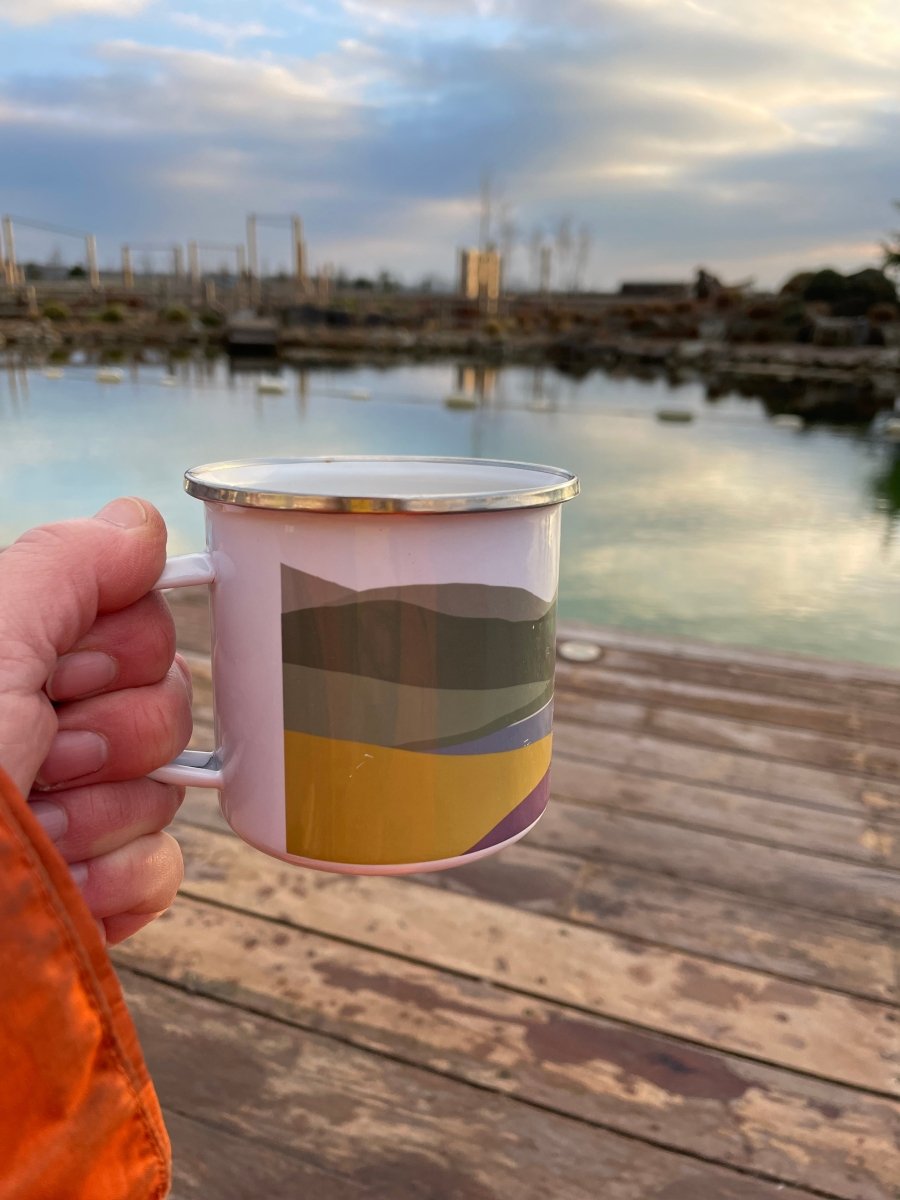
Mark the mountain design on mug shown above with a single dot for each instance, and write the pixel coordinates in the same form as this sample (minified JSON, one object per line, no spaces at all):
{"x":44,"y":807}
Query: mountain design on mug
{"x":417,"y":718}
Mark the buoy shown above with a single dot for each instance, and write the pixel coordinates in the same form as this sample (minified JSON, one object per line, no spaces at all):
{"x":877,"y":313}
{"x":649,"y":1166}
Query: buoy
{"x":680,"y":416}
{"x":53,"y":372}
{"x":580,"y":652}
{"x":358,"y":394}
{"x":168,"y":381}
{"x":788,"y":421}
{"x":270,"y":385}
{"x":110,"y":375}
{"x":461,"y":400}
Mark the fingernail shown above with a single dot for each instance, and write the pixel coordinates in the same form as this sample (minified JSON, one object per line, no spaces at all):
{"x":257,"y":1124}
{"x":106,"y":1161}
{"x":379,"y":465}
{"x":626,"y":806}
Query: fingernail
{"x":126,"y":512}
{"x":81,"y":673}
{"x":53,"y":819}
{"x":79,"y":873}
{"x":74,"y":753}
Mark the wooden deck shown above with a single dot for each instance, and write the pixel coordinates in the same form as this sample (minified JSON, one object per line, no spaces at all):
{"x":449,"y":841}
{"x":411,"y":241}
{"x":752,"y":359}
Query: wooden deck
{"x":681,"y":985}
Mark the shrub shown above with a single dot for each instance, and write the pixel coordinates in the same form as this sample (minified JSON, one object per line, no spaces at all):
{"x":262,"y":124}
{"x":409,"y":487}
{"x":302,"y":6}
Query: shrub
{"x":55,"y":311}
{"x":176,"y":314}
{"x":880,"y":314}
{"x":113,"y":314}
{"x":212,"y":320}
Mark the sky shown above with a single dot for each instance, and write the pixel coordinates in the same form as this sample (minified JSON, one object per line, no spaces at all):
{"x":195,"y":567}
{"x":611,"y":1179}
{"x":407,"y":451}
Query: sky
{"x":754,"y":137}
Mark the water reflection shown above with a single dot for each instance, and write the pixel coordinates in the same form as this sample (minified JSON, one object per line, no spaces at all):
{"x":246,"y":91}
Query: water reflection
{"x":728,"y":527}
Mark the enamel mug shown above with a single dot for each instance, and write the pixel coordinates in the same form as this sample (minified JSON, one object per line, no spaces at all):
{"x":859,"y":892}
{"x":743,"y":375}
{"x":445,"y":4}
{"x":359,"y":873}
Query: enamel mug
{"x":382,"y":655}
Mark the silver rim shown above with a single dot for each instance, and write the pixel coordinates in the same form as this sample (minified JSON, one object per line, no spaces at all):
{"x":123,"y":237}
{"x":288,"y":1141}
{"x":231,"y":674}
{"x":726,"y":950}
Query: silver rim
{"x":537,"y":497}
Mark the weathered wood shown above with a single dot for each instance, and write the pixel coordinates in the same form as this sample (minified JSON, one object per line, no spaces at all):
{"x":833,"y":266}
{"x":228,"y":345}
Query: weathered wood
{"x":728,"y":1008}
{"x":721,"y":768}
{"x":839,"y":687}
{"x":834,"y":953}
{"x":727,"y":733}
{"x":393,"y":1128}
{"x":780,"y":663}
{"x":862,"y":838}
{"x":845,"y":889}
{"x":719,"y":1107}
{"x":841,"y":721}
{"x":212,"y":1163}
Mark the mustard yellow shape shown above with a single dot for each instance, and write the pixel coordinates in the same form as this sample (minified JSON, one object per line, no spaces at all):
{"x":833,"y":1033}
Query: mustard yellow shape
{"x":348,"y":802}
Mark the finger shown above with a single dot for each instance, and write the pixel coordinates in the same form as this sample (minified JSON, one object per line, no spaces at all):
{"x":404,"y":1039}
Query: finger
{"x":142,"y":877}
{"x":85,"y":822}
{"x":122,"y":735}
{"x":54,"y":581}
{"x":117,"y":929}
{"x":125,"y":649}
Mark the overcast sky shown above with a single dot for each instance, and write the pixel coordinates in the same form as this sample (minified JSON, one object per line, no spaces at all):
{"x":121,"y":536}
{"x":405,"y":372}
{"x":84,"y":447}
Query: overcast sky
{"x":752,"y":136}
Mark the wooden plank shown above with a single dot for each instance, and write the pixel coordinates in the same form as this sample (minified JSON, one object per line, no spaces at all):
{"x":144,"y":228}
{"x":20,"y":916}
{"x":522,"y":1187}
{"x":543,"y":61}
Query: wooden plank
{"x":834,"y":953}
{"x":839,"y":721}
{"x":397,"y":1130}
{"x":727,"y":769}
{"x":776,"y":662}
{"x":834,"y":686}
{"x":720,"y":810}
{"x":212,"y":1163}
{"x":727,"y":733}
{"x":729,"y":1008}
{"x":717,"y":1107}
{"x":844,"y":889}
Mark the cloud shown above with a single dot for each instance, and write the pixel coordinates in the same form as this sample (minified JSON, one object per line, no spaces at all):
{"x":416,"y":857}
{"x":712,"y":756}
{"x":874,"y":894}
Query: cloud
{"x":736,"y":134}
{"x":36,"y":12}
{"x":229,"y":34}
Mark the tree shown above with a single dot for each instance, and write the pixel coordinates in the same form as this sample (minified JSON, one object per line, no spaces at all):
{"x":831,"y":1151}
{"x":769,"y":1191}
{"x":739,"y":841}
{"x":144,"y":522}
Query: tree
{"x":891,"y":249}
{"x":77,"y":272}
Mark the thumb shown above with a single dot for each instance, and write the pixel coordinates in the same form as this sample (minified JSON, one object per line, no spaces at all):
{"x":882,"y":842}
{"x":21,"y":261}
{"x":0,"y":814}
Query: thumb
{"x":54,"y":582}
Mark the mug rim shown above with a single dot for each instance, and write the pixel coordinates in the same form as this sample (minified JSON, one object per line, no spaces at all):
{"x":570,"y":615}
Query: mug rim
{"x":565,"y":486}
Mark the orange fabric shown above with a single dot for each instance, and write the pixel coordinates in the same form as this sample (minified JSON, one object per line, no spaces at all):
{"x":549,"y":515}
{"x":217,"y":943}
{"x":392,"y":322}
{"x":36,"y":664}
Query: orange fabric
{"x":79,"y":1119}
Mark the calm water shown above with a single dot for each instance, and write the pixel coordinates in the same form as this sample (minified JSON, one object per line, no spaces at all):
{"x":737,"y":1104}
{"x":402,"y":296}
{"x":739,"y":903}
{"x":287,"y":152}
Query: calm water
{"x":727,"y":528}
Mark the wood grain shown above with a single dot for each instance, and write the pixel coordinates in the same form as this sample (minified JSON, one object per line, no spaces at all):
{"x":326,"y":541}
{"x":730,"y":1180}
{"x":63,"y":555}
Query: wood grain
{"x":400,"y":1131}
{"x":725,"y":1007}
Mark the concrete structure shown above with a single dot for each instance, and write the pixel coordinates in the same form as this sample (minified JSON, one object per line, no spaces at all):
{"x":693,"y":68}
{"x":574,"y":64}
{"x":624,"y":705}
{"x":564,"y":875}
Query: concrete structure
{"x":480,"y":276}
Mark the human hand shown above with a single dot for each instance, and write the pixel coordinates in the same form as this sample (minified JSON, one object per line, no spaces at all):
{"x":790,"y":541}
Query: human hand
{"x":92,"y":698}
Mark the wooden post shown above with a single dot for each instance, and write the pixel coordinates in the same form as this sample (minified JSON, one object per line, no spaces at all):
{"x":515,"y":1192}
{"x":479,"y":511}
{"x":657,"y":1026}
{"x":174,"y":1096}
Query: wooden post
{"x":127,"y":268}
{"x":90,"y":247}
{"x":252,"y":259}
{"x":194,"y":269}
{"x":12,"y":271}
{"x":299,"y":256}
{"x":178,"y":263}
{"x":210,"y":292}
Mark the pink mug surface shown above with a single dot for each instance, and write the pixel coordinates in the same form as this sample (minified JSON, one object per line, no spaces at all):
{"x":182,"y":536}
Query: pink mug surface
{"x":383,"y":655}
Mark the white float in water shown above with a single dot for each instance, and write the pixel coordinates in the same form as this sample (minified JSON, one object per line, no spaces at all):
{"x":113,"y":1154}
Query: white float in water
{"x":53,"y":373}
{"x":788,"y":421}
{"x":168,"y":381}
{"x":461,"y":400}
{"x":270,"y":385}
{"x":110,"y":375}
{"x":358,"y":394}
{"x":677,"y":416}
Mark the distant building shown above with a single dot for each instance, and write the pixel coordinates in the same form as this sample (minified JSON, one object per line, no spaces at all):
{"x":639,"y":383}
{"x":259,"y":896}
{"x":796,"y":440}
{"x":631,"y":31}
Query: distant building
{"x":480,"y":275}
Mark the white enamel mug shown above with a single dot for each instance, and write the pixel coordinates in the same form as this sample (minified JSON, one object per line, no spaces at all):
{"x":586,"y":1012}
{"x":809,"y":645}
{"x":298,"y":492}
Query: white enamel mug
{"x":382,"y":655}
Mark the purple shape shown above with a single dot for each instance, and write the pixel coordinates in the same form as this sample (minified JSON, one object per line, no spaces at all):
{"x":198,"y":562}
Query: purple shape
{"x":510,"y":737}
{"x":523,"y":815}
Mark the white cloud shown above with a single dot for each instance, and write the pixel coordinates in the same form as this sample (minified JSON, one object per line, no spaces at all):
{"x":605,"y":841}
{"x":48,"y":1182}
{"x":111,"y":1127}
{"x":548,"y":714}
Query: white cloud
{"x":229,"y":33}
{"x":37,"y":12}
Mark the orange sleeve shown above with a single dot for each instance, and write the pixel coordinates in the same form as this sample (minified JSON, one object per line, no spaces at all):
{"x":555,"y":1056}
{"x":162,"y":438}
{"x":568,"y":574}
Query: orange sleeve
{"x":79,"y":1118}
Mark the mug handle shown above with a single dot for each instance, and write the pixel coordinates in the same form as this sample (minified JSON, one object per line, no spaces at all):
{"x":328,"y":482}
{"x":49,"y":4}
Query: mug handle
{"x":193,"y":768}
